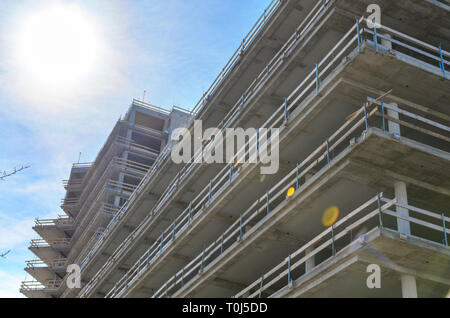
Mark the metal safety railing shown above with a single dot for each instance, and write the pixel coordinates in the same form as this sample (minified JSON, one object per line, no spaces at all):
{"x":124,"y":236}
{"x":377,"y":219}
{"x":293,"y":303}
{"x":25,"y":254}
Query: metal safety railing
{"x":28,"y":286}
{"x":50,"y":243}
{"x":150,"y":106}
{"x":72,"y":183}
{"x":130,"y":142}
{"x":82,"y":165}
{"x":120,"y":186}
{"x":131,"y":165}
{"x":70,"y":201}
{"x":268,"y":71}
{"x":53,"y":264}
{"x":375,"y":213}
{"x":54,"y":222}
{"x":110,"y":209}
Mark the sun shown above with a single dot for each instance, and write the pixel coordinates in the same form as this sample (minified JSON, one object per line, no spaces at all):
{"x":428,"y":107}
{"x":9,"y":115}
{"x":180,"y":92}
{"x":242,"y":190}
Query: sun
{"x":58,"y":46}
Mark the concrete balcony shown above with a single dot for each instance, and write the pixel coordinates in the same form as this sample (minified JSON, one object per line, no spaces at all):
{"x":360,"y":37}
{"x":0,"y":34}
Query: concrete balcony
{"x":71,"y":205}
{"x":73,"y":184}
{"x":45,"y":270}
{"x":52,"y":249}
{"x":34,"y":289}
{"x":334,"y":263}
{"x":52,"y":229}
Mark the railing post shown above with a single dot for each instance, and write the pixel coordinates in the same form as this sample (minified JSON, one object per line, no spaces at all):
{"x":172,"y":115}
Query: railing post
{"x":332,"y":242}
{"x":375,"y":34}
{"x":203,"y":260}
{"x":231,"y":171}
{"x":173,"y":230}
{"x":382,"y":115}
{"x":190,"y":213}
{"x":160,"y":245}
{"x":257,"y":142}
{"x":445,"y":230}
{"x":210,"y":190}
{"x":267,"y":202}
{"x":286,"y":115}
{"x":149,"y":253}
{"x":379,"y":210}
{"x":328,"y":151}
{"x":221,"y":245}
{"x":359,"y":35}
{"x":289,"y":269}
{"x":442,"y":61}
{"x":317,"y":80}
{"x":297,"y":185}
{"x":261,"y":286}
{"x":365,"y":116}
{"x":240,"y":226}
{"x":182,"y":277}
{"x":242,"y":101}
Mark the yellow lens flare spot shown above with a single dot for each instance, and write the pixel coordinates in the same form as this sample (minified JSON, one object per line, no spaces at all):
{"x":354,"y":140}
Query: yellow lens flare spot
{"x":290,"y":192}
{"x":330,"y":216}
{"x":262,"y":178}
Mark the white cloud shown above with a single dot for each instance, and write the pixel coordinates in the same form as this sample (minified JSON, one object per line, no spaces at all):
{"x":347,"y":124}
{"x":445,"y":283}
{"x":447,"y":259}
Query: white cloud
{"x":10,"y":285}
{"x":15,"y":232}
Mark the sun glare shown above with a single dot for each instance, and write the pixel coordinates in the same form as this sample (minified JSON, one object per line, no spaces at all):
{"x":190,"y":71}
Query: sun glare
{"x":58,"y":46}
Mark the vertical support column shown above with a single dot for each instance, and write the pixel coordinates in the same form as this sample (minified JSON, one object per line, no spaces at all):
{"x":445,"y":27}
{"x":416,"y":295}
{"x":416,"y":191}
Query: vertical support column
{"x":409,"y":286}
{"x":394,"y":128}
{"x":310,"y":262}
{"x":401,"y":195}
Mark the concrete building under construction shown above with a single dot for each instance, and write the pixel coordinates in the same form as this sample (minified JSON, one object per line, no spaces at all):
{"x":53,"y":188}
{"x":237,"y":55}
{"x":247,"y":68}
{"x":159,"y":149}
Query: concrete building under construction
{"x":362,"y":106}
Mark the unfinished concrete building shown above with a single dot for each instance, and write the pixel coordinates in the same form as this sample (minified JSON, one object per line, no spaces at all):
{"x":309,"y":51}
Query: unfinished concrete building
{"x":363,"y":112}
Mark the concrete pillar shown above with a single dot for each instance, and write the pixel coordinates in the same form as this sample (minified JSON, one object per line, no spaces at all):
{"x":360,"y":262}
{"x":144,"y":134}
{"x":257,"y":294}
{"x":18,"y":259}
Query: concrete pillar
{"x":401,"y":195}
{"x":409,"y":286}
{"x":394,"y":128}
{"x":310,"y":262}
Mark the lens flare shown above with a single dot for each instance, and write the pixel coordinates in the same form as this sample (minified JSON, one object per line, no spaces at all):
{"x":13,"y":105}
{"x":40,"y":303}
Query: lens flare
{"x":330,"y":216}
{"x":290,"y":192}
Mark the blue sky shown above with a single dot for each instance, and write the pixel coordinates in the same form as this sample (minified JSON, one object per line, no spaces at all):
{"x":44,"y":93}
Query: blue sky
{"x":173,"y":49}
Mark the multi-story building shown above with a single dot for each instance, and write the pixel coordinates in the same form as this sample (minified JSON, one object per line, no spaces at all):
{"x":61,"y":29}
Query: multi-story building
{"x":362,"y":110}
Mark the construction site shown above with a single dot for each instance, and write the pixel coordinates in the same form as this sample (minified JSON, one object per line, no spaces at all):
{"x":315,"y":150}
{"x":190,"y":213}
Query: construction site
{"x":362,"y":107}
